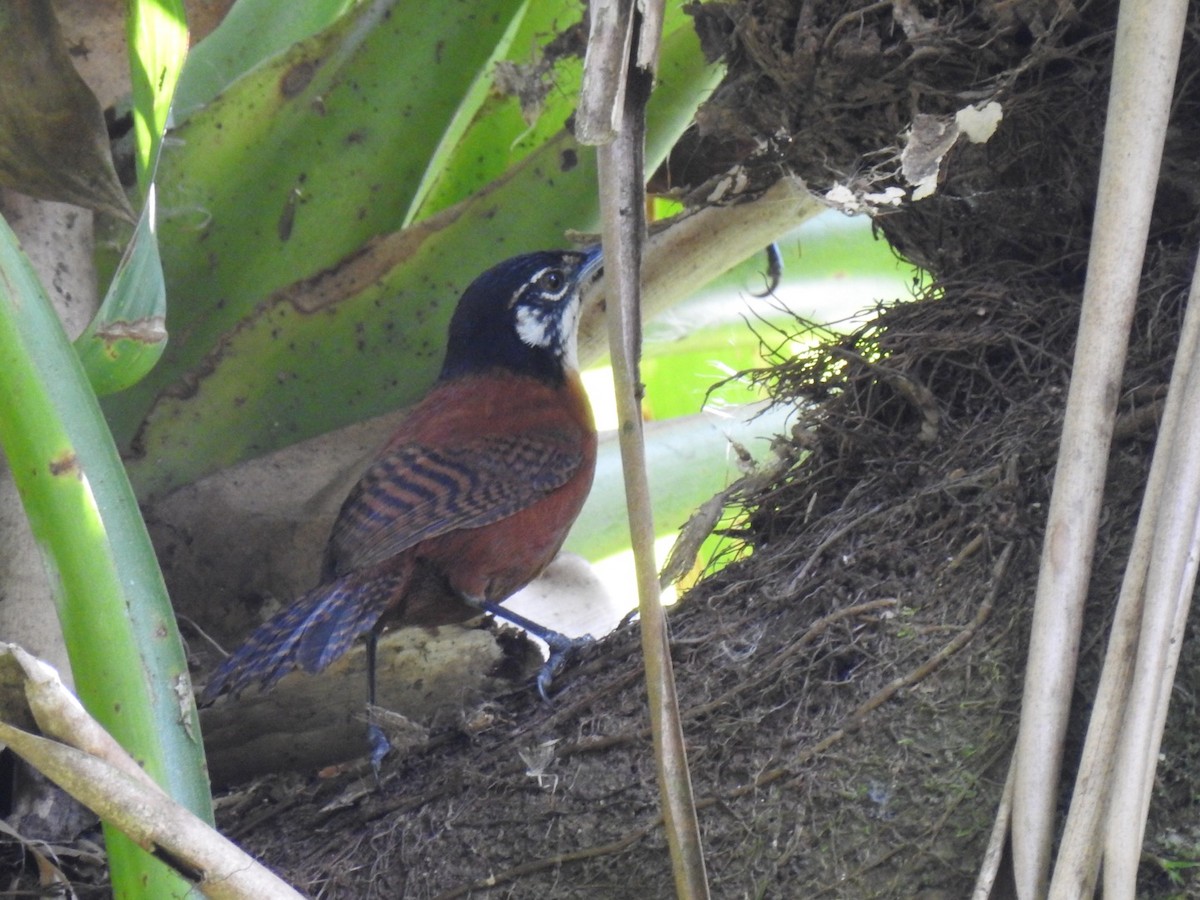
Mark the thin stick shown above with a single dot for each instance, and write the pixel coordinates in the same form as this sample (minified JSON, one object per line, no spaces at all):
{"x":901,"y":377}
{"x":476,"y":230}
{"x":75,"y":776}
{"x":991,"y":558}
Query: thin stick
{"x":622,"y":180}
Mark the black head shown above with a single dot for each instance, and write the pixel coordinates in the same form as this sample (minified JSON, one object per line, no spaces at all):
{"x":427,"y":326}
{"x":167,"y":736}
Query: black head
{"x":521,"y":315}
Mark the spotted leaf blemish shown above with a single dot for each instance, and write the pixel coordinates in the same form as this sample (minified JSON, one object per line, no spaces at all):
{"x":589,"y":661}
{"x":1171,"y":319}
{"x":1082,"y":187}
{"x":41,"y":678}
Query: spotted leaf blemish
{"x":66,"y":464}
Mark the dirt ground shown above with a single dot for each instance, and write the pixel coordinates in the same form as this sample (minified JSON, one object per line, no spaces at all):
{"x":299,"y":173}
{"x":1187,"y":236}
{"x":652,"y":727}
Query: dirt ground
{"x":850,"y":688}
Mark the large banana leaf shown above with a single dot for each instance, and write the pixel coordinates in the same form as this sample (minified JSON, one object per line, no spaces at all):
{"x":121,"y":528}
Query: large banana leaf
{"x":295,"y":306}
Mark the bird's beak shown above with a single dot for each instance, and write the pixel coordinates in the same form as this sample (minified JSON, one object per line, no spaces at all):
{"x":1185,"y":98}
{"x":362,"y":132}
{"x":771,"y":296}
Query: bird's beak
{"x":593,"y":265}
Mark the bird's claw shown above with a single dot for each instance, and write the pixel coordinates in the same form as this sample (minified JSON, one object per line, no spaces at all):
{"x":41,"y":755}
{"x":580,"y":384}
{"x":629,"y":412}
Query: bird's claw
{"x":561,"y":650}
{"x":380,"y":747}
{"x":561,"y":646}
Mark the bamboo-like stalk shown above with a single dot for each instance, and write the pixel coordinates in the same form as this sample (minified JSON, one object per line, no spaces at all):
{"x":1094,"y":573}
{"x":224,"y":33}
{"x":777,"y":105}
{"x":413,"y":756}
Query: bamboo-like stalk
{"x":91,"y":766}
{"x":1147,"y":48}
{"x":701,"y":245}
{"x":152,"y":820}
{"x":1080,"y":851}
{"x":1168,"y":594}
{"x":622,"y":192}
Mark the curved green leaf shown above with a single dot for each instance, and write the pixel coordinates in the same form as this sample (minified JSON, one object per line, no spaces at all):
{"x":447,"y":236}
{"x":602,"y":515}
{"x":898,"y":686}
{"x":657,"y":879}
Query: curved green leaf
{"x":158,"y":44}
{"x":252,"y":31}
{"x":127,"y":336}
{"x":534,"y":93}
{"x":470,"y":103}
{"x":501,"y":133}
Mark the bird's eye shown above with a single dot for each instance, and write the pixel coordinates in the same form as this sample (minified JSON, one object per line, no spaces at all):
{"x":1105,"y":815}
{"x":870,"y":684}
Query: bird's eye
{"x":552,"y":281}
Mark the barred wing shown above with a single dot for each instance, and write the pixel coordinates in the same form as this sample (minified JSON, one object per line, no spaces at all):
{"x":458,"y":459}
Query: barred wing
{"x":416,"y":492}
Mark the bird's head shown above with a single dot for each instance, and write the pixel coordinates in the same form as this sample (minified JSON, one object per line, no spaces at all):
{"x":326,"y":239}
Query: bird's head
{"x":521,"y":315}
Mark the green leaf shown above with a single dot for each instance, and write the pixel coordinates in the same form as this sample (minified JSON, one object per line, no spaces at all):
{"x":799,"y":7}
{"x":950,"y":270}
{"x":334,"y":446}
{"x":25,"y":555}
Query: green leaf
{"x":302,"y":162}
{"x":158,"y":45}
{"x":117,"y":621}
{"x":527,"y":103}
{"x":311,"y":155}
{"x":535,"y":89}
{"x":252,"y":31}
{"x":128,"y":334}
{"x":260,"y":371}
{"x":689,"y":460}
{"x":443,"y":156}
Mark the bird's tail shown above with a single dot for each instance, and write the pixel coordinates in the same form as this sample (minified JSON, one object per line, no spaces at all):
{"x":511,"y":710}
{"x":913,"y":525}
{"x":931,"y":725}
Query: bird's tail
{"x":316,"y":629}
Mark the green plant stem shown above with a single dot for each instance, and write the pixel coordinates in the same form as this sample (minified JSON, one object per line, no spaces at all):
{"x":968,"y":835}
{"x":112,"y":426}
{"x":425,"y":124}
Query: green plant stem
{"x":125,"y":650}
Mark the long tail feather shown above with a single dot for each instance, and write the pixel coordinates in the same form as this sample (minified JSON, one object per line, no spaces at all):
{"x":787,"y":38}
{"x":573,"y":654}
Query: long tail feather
{"x":317,"y":629}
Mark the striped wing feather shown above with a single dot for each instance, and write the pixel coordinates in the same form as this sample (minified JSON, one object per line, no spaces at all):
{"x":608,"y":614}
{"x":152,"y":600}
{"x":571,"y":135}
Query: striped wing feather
{"x":416,"y":492}
{"x":317,"y":628}
{"x":409,"y":495}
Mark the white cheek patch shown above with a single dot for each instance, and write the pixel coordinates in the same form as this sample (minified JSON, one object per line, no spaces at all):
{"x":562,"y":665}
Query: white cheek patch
{"x":551,"y":328}
{"x":536,"y":327}
{"x":569,"y":339}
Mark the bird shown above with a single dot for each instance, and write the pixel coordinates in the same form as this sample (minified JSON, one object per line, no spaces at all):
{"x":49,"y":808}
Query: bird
{"x":472,"y":496}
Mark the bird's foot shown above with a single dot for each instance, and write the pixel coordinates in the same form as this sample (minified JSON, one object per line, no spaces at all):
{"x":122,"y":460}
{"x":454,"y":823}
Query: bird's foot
{"x":562,"y":648}
{"x":380,"y":747}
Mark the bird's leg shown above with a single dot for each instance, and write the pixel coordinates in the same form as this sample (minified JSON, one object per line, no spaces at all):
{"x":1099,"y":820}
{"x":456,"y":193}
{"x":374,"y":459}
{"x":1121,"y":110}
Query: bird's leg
{"x":561,"y":646}
{"x":378,"y":740}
